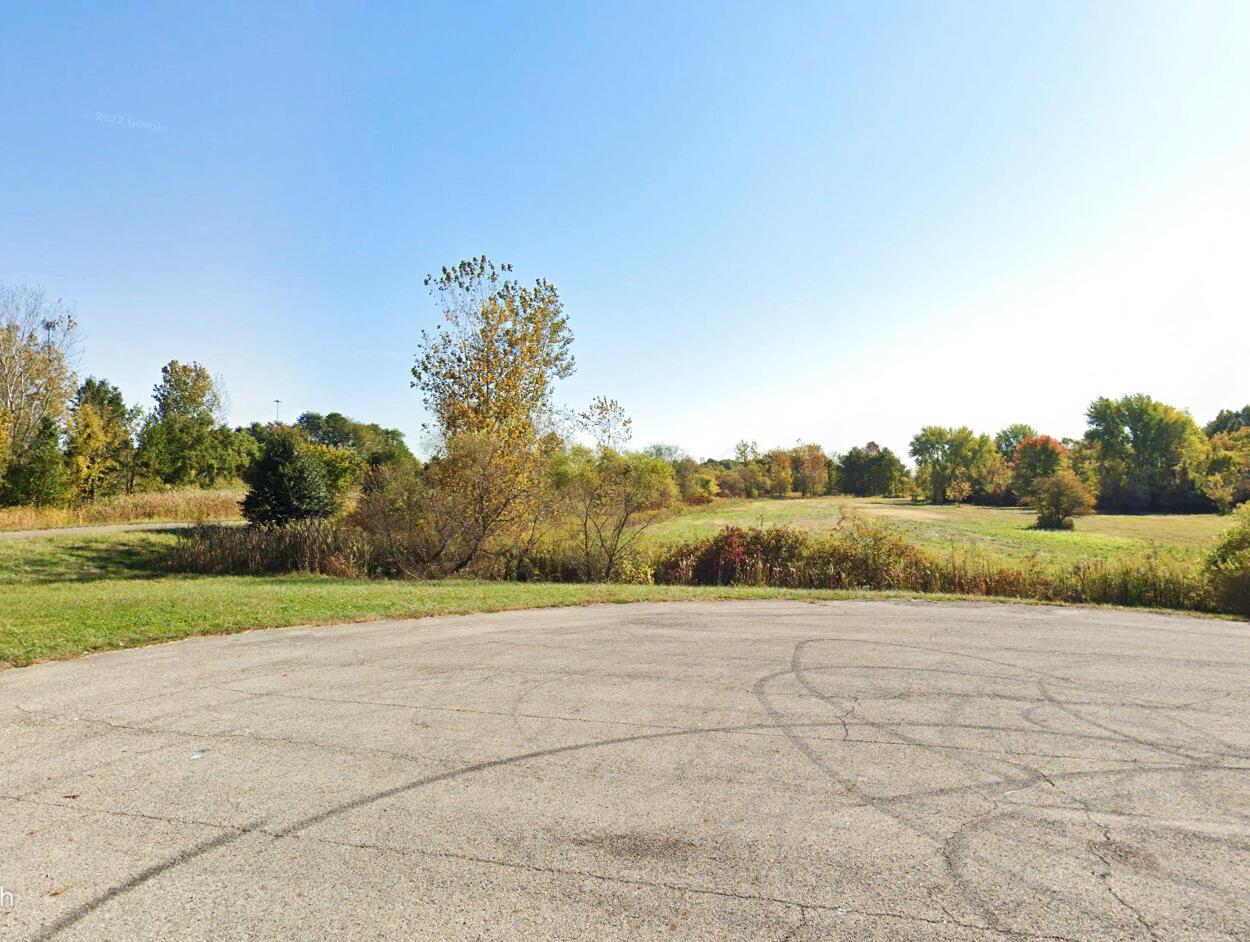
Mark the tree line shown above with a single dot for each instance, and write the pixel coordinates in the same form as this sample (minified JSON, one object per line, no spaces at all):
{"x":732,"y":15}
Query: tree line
{"x":63,"y":440}
{"x":505,"y":456}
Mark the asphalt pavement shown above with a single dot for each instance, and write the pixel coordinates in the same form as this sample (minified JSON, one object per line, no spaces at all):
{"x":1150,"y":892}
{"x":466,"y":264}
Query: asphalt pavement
{"x":719,"y":770}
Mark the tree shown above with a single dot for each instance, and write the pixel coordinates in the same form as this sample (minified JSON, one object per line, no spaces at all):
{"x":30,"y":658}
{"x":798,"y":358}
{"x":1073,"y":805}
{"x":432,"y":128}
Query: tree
{"x":177,"y":444}
{"x":1228,"y":421}
{"x":288,"y":482}
{"x":1009,"y":439}
{"x":1226,"y":478}
{"x":486,"y":376}
{"x":1036,"y":457}
{"x":1146,"y":455}
{"x":377,"y":446}
{"x":607,"y":423}
{"x":37,"y":475}
{"x":1060,"y":497}
{"x":38,"y":343}
{"x":615,"y":496}
{"x":946,"y":454}
{"x":99,"y":447}
{"x":810,"y":468}
{"x":780,"y":473}
{"x":958,"y":490}
{"x":491,"y":365}
{"x":1228,"y":564}
{"x":746,"y":451}
{"x":870,"y":471}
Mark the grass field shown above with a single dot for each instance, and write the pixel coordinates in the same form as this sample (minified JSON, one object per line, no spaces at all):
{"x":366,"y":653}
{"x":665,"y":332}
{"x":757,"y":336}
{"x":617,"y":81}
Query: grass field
{"x":183,"y":504}
{"x":1000,"y":531}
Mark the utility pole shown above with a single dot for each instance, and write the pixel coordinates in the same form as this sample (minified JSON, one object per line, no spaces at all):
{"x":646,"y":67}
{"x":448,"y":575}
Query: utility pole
{"x":277,"y":406}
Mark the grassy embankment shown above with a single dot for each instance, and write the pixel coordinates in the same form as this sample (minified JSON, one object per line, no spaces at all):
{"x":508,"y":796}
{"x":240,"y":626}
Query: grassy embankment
{"x":184,"y":504}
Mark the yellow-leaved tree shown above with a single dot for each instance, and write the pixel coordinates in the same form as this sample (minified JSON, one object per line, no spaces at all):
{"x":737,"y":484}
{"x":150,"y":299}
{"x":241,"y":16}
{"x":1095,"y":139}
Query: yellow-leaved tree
{"x":486,"y":375}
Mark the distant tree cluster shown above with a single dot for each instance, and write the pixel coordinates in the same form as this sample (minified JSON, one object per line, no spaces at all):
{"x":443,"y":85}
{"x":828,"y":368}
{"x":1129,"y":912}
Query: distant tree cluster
{"x":66,"y":441}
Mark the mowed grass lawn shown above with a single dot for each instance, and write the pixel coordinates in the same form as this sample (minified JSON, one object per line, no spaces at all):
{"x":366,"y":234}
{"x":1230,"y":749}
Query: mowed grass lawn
{"x":61,"y":596}
{"x":1005,"y":532}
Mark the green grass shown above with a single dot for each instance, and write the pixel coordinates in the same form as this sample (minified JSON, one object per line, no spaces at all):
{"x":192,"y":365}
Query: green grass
{"x":1006,"y":532}
{"x":62,"y":596}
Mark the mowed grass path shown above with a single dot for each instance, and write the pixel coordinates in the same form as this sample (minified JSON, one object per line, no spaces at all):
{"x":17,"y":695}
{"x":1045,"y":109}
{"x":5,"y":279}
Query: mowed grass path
{"x":1002,"y":531}
{"x":61,"y":596}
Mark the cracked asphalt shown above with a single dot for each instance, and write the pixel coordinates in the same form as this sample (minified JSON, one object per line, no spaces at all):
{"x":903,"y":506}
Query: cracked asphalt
{"x":720,"y":770}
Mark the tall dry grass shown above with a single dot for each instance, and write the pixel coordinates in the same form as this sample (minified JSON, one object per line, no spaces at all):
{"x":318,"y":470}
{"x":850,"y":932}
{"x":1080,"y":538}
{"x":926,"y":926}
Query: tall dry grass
{"x":185,"y":504}
{"x":860,"y":554}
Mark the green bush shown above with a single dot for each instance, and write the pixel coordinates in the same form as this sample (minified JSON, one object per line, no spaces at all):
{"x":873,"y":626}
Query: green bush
{"x":1058,"y":498}
{"x":1228,"y":564}
{"x":290,"y":481}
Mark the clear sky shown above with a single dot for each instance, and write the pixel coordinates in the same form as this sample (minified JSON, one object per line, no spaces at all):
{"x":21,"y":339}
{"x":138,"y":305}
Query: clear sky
{"x":828,"y":222}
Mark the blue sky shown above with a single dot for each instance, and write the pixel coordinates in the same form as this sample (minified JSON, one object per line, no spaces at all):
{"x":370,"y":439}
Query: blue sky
{"x":827,"y":222}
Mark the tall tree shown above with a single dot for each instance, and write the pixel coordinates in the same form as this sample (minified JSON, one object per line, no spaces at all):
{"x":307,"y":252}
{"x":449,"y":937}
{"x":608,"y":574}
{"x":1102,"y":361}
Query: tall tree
{"x":178,"y":445}
{"x":492,"y":363}
{"x":38,"y":345}
{"x":810,"y":470}
{"x":870,"y":470}
{"x":99,"y":447}
{"x":1146,"y":454}
{"x":1229,"y":420}
{"x":486,"y":375}
{"x":1009,"y":439}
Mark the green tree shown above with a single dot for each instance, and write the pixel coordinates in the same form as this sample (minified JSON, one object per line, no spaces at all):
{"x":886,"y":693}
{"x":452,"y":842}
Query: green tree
{"x":177,"y":444}
{"x":1229,"y":421}
{"x":870,"y":470}
{"x":1226,"y":478}
{"x":288,"y":482}
{"x":376,"y":446}
{"x":1146,"y":455}
{"x":37,"y":475}
{"x":614,"y":497}
{"x":1009,"y":439}
{"x":947,"y":454}
{"x":99,"y":447}
{"x":1228,"y":564}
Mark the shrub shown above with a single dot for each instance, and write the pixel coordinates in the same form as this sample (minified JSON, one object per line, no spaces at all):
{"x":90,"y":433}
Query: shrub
{"x":1228,"y":564}
{"x":872,"y":555}
{"x":289,"y":482}
{"x":1060,"y":497}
